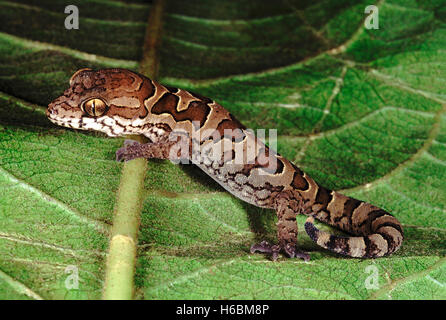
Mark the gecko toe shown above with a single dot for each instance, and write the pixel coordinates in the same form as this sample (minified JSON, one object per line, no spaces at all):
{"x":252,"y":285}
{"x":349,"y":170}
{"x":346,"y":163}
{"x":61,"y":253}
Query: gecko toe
{"x":263,"y":247}
{"x":291,"y":251}
{"x":266,"y":247}
{"x":120,"y":154}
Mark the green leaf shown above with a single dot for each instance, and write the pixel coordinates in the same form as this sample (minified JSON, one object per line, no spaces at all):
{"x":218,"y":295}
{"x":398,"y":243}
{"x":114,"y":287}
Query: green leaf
{"x":361,"y":111}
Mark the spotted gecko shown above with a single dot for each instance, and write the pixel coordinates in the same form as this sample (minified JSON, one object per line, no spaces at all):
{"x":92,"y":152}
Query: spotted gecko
{"x":121,"y":102}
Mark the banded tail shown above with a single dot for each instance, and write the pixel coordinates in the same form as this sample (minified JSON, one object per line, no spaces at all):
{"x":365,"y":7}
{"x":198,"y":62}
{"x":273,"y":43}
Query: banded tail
{"x":376,"y":232}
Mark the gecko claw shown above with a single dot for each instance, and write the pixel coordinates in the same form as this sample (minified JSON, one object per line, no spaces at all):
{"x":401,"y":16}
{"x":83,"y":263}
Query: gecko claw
{"x":294,"y":252}
{"x":290,"y":250}
{"x":120,"y":154}
{"x":266,"y":247}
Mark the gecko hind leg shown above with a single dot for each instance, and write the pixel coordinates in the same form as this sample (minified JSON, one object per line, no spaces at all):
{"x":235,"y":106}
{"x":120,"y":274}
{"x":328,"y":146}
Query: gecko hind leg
{"x":287,"y":206}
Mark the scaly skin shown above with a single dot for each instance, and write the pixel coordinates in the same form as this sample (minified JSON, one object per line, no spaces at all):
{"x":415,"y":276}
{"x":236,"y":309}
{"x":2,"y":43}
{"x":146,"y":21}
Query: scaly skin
{"x":177,"y":123}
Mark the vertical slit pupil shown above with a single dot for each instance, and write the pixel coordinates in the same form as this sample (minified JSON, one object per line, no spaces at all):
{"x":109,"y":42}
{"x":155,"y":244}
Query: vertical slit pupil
{"x":93,"y":107}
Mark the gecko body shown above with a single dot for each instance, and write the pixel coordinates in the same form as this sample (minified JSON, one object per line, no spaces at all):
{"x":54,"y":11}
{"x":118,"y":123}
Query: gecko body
{"x":177,"y":123}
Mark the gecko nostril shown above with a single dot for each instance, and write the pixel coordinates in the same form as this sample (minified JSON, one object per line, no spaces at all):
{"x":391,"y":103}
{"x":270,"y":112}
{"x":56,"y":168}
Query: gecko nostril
{"x":51,"y":111}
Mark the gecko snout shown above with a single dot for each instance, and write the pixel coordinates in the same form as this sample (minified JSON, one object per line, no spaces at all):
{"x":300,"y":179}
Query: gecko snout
{"x":52,"y":110}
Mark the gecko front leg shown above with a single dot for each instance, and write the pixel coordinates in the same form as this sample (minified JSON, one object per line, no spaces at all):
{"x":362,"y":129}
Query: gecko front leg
{"x":287,"y":205}
{"x":174,"y":150}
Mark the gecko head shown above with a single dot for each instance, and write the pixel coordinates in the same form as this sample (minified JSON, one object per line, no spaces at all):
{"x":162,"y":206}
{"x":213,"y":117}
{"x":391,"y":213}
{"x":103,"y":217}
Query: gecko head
{"x":106,"y":100}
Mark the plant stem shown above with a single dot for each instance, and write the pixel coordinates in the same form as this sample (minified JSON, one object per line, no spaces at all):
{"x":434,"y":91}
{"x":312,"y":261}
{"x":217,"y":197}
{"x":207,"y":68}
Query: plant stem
{"x":121,"y":258}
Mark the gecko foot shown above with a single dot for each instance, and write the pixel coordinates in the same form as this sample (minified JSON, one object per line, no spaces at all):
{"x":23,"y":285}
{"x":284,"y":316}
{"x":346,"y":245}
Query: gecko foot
{"x":290,"y":250}
{"x":129,"y":151}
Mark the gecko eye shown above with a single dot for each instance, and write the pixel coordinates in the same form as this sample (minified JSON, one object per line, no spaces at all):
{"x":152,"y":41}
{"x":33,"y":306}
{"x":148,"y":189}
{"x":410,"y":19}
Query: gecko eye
{"x":94,"y":107}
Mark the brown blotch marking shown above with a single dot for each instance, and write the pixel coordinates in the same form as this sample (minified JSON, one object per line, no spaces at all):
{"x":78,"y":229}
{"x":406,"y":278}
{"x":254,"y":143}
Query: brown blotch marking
{"x":336,"y":206}
{"x":143,"y":111}
{"x":386,"y":220}
{"x":393,"y":237}
{"x":238,"y":123}
{"x":299,"y":182}
{"x":145,"y":92}
{"x":349,"y":207}
{"x":197,"y":111}
{"x":360,"y":216}
{"x":172,"y":89}
{"x":235,"y":126}
{"x":378,"y":245}
{"x":248,"y":167}
{"x":186,"y":100}
{"x":200,"y":97}
{"x":323,"y":197}
{"x":262,"y":161}
{"x":371,"y":216}
{"x":280,"y":166}
{"x":338,"y":244}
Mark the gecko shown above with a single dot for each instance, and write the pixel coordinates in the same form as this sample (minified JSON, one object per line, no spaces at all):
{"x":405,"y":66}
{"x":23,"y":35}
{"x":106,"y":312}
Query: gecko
{"x":121,"y":102}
